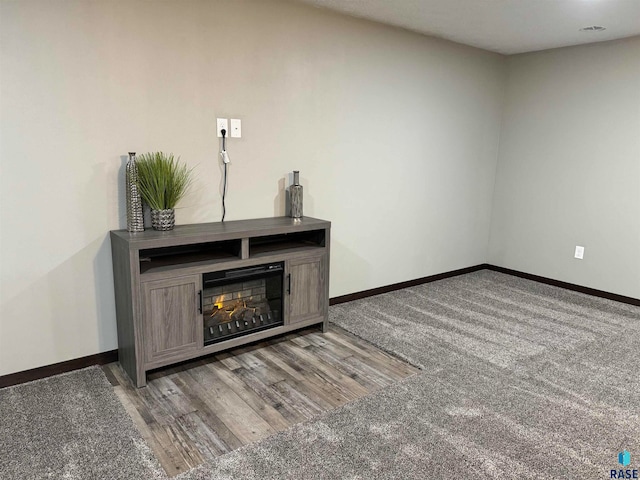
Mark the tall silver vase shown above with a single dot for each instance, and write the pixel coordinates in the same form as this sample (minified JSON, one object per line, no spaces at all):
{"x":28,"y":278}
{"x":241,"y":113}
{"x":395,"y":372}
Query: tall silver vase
{"x":135,"y":218}
{"x":295,"y":193}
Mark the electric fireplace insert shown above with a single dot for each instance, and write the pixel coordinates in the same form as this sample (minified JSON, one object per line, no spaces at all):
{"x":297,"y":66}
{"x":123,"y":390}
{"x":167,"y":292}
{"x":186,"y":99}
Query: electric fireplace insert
{"x":241,"y":301}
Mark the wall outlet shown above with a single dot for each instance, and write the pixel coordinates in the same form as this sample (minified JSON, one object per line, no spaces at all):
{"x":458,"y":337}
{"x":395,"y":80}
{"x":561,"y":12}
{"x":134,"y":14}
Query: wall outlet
{"x":579,"y":252}
{"x":222,"y":123}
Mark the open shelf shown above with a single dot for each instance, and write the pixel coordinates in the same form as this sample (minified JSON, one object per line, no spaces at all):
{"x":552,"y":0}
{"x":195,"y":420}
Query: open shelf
{"x":167,"y":258}
{"x":261,"y":246}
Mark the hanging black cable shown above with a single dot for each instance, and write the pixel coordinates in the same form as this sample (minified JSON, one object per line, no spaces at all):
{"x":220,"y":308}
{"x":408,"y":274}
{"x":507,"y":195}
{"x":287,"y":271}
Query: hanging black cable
{"x":225,"y":160}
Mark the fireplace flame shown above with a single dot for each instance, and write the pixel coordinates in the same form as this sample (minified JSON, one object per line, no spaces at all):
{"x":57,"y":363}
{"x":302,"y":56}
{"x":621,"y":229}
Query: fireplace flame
{"x":231,"y":308}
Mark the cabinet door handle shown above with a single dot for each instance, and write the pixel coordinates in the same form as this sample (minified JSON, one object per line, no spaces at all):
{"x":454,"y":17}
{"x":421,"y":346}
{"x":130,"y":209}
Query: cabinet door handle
{"x":289,"y":284}
{"x":200,"y":301}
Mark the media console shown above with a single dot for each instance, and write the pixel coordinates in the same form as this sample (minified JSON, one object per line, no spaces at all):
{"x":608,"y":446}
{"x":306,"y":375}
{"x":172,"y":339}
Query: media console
{"x":203,"y":288}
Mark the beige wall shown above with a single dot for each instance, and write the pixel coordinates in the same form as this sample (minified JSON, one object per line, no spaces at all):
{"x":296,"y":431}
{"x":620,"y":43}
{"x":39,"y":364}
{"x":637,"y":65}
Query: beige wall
{"x":569,"y":167}
{"x":395,"y":135}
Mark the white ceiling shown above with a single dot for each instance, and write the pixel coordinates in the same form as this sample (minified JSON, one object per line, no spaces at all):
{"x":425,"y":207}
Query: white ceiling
{"x":503,"y":26}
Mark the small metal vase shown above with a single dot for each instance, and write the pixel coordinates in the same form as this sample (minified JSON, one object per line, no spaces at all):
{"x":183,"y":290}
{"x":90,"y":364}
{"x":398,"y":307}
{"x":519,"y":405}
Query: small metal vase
{"x":295,"y":193}
{"x":163,"y":219}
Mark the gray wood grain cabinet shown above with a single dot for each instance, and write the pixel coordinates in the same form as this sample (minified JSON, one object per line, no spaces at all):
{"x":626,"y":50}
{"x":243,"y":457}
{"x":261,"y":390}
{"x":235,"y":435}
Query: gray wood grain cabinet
{"x":158,"y":280}
{"x":307,"y":296}
{"x":168,"y":312}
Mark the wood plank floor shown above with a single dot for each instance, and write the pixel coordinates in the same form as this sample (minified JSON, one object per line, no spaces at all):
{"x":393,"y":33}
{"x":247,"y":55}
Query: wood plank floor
{"x":205,"y":408}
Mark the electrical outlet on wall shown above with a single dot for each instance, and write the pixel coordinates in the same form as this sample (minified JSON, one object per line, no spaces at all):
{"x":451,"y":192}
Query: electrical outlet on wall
{"x":222,"y":123}
{"x":579,"y":252}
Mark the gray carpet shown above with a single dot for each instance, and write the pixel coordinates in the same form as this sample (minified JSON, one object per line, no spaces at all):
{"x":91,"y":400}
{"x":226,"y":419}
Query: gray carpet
{"x":519,"y":380}
{"x":70,"y":426}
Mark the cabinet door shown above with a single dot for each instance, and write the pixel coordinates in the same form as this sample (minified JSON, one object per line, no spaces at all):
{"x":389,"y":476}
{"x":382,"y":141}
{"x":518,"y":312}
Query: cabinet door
{"x":172,"y":326}
{"x":307,"y":281}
